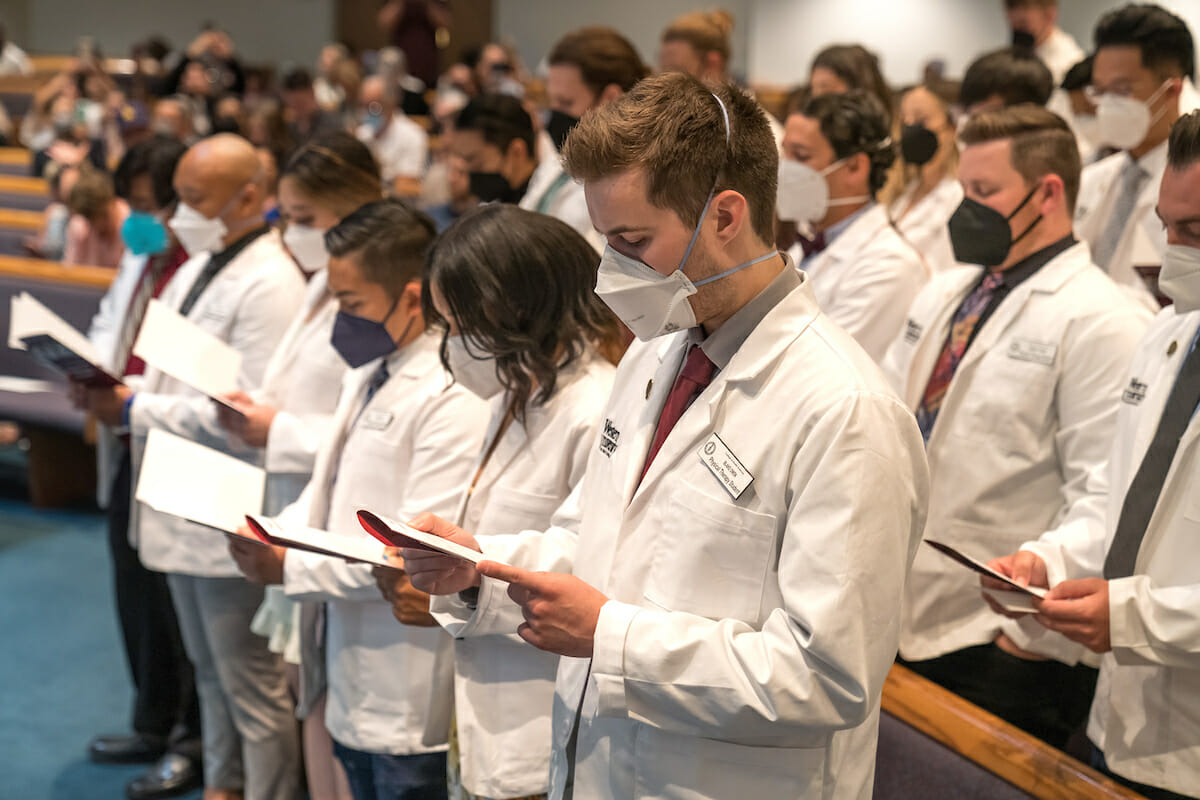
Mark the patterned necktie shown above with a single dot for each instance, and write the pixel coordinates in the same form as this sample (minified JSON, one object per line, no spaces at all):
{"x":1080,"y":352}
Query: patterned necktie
{"x":965,"y":320}
{"x":697,"y":373}
{"x":812,"y":246}
{"x":138,"y":303}
{"x":1147,"y":484}
{"x":378,"y":379}
{"x":1132,"y":177}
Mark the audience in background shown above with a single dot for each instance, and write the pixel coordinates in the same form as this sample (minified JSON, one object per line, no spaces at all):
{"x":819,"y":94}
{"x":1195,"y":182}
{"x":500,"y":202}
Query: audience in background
{"x":400,"y":145}
{"x":1034,"y":25}
{"x":13,"y":60}
{"x":97,"y":214}
{"x":494,"y":137}
{"x":1007,"y":77}
{"x":843,"y":68}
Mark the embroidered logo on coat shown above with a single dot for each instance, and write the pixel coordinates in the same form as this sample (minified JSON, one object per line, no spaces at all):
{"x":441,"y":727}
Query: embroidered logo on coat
{"x":609,"y":438}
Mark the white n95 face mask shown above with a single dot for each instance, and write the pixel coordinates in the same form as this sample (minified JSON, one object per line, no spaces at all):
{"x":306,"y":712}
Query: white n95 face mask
{"x":307,"y":246}
{"x":1180,"y":277}
{"x":196,"y":232}
{"x":1123,"y":122}
{"x":804,"y":194}
{"x":649,"y":303}
{"x":477,"y":373}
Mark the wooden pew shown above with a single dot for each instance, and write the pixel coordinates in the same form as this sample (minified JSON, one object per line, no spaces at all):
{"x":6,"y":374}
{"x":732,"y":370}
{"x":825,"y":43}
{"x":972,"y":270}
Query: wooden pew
{"x":60,"y":458}
{"x":16,"y":156}
{"x":921,"y":718}
{"x":25,"y":185}
{"x":19,"y":219}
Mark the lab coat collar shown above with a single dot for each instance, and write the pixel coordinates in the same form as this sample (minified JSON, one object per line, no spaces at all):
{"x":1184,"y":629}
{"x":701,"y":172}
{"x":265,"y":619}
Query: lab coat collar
{"x":864,"y":228}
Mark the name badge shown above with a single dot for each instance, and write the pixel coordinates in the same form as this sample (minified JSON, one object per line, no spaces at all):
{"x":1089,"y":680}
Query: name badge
{"x":912,"y":331}
{"x":377,"y":419}
{"x":1135,"y":392}
{"x":1030,"y":350}
{"x":725,"y":467}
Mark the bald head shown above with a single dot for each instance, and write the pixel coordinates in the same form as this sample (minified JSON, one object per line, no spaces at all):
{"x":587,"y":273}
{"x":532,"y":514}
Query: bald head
{"x":221,"y":177}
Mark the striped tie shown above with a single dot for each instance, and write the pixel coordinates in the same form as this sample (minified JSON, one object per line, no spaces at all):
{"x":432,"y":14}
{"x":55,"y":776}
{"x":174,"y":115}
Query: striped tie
{"x":136,"y":312}
{"x":965,"y":320}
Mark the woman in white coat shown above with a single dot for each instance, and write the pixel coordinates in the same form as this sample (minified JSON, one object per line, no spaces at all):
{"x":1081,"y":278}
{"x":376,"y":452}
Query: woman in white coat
{"x":291,"y":413}
{"x":512,"y":292}
{"x":923,"y":190}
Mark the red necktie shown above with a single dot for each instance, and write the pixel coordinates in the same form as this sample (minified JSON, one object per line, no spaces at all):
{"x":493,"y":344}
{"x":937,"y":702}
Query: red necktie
{"x":812,"y":246}
{"x":696,"y":374}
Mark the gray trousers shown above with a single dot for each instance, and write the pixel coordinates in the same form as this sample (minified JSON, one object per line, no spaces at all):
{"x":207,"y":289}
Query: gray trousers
{"x":251,"y":738}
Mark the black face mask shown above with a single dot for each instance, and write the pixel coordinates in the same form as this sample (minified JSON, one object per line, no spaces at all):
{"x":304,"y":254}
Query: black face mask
{"x":980,"y":234}
{"x":492,"y":187}
{"x":558,"y":126}
{"x":918,"y":145}
{"x":1023,"y":40}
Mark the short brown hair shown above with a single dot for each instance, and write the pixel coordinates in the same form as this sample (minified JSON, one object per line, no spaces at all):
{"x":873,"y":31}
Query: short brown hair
{"x":1042,"y":143}
{"x":92,"y":194}
{"x":671,"y":127}
{"x":336,"y":170}
{"x":603,"y":56}
{"x":390,"y":239}
{"x":706,"y":31}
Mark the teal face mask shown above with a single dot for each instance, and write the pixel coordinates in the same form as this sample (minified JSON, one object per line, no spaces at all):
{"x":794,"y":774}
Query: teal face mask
{"x":144,"y":234}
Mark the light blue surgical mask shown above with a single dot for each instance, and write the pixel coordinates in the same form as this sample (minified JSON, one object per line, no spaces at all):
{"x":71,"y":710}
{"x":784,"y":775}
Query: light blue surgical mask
{"x":144,"y":234}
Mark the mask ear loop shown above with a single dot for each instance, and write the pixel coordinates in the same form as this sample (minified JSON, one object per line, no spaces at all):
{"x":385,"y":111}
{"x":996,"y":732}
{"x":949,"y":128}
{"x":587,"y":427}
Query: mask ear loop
{"x":712,"y":191}
{"x":1033,"y":224}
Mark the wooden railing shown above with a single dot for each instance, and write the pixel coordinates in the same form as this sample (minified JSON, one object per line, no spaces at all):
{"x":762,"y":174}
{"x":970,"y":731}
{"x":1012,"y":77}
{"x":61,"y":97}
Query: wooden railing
{"x":1023,"y":760}
{"x":56,"y":272}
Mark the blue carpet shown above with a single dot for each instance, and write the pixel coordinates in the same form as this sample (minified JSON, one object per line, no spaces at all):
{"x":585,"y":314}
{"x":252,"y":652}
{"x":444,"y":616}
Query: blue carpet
{"x":63,"y":677}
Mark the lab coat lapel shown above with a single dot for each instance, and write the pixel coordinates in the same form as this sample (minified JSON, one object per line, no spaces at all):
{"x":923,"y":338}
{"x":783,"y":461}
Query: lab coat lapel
{"x":286,"y":352}
{"x":642,"y":418}
{"x":325,"y":468}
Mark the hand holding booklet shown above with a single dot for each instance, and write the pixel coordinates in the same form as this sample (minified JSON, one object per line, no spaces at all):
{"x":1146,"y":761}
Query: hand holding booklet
{"x":338,"y":545}
{"x":1016,"y":598}
{"x":397,"y":534}
{"x":53,"y":341}
{"x":177,"y":346}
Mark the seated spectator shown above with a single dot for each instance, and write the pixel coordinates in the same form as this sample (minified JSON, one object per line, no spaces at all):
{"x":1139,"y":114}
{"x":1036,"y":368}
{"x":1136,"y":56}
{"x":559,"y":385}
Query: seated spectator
{"x":494,"y":137}
{"x":13,"y":60}
{"x":864,"y":274}
{"x":97,"y":214}
{"x":1144,"y":57}
{"x":409,"y":89}
{"x":843,"y":68}
{"x":496,"y":70}
{"x":1002,"y":78}
{"x":52,"y":239}
{"x":218,"y":67}
{"x":923,"y":190}
{"x":305,"y":117}
{"x":171,"y":118}
{"x":400,"y":145}
{"x":329,"y":94}
{"x":229,"y":115}
{"x":1034,"y":23}
{"x":70,"y":145}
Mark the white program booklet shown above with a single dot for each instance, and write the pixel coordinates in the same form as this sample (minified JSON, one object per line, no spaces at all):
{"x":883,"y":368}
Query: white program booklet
{"x":340,"y":545}
{"x":397,"y":534}
{"x":188,"y":480}
{"x":174,"y":344}
{"x":983,"y":569}
{"x":55,"y":342}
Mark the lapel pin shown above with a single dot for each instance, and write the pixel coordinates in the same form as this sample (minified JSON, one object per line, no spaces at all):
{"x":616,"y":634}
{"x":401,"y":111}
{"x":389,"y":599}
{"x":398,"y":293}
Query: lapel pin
{"x":1172,"y":347}
{"x":649,"y":386}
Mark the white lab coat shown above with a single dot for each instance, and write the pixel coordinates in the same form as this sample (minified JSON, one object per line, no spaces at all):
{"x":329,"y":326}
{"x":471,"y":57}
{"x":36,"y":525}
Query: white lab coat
{"x":402,"y":149}
{"x":302,"y":382}
{"x":1022,"y":432}
{"x":409,"y":450}
{"x":248,"y":305}
{"x":503,"y":687}
{"x":1059,"y":53}
{"x":1146,"y":715}
{"x":866,"y":279}
{"x":104,"y":334}
{"x":1143,"y":241}
{"x":926,"y":225}
{"x":567,"y":202}
{"x":746,"y":642}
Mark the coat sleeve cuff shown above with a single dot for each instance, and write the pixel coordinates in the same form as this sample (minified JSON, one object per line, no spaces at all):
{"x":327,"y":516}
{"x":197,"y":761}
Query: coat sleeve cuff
{"x":1125,"y":625}
{"x":608,"y":657}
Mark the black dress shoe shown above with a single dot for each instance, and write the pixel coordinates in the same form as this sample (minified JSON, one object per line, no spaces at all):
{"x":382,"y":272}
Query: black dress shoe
{"x":171,"y":776}
{"x":139,"y":748}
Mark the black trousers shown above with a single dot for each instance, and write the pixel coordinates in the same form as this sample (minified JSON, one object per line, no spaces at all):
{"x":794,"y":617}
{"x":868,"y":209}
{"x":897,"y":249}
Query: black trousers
{"x":165,"y":702}
{"x":1047,"y":699}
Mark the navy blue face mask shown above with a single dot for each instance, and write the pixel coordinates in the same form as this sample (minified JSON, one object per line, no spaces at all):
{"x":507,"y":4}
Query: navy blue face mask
{"x":359,"y":340}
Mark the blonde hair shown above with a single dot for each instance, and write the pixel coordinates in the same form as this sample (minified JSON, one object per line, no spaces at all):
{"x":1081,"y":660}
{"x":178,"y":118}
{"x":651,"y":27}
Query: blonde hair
{"x":705,"y":31}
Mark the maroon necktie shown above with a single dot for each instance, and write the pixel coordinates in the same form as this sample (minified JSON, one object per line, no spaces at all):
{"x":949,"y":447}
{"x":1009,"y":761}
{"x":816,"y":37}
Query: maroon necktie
{"x":811,"y":246}
{"x":696,"y":374}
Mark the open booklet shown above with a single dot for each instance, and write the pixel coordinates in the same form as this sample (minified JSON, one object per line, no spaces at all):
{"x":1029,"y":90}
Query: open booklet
{"x":55,"y":342}
{"x":177,"y":346}
{"x":397,"y":534}
{"x":353,"y":548}
{"x":1016,"y":598}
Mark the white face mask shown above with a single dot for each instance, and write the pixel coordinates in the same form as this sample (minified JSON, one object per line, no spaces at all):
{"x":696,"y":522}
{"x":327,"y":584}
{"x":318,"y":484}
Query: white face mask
{"x":196,"y":232}
{"x":804,"y":193}
{"x":307,"y":246}
{"x":1123,"y":122}
{"x":1180,"y":277}
{"x":477,"y":372}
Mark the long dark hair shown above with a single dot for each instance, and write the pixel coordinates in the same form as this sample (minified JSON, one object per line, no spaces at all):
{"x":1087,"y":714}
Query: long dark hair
{"x":520,"y":287}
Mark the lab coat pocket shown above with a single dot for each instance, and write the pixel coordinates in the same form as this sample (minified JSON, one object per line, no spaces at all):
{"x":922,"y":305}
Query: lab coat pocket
{"x":711,"y":558}
{"x":673,"y":767}
{"x":512,"y":511}
{"x":1011,"y":403}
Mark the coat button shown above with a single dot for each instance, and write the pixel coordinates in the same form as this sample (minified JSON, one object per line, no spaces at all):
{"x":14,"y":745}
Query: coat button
{"x":1172,"y":347}
{"x":649,"y":386}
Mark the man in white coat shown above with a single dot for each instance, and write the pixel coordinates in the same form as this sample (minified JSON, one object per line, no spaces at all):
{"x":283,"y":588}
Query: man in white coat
{"x":1014,"y":372}
{"x":723,"y":591}
{"x":836,"y":155}
{"x":404,"y":439}
{"x":1037,"y":22}
{"x":1125,"y":580}
{"x":241,"y":286}
{"x":1144,"y":58}
{"x":586,"y":68}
